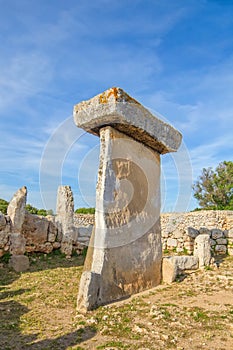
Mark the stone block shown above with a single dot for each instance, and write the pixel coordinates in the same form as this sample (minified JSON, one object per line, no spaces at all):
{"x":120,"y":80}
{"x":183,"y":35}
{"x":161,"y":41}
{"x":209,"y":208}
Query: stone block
{"x":19,"y":263}
{"x":172,"y":242}
{"x":192,"y":232}
{"x":16,"y":209}
{"x":165,"y":234}
{"x":230,"y":250}
{"x":202,"y":249}
{"x":178,"y":234}
{"x":116,"y":108}
{"x":56,"y":245}
{"x":2,"y":221}
{"x":229,"y":233}
{"x":220,"y":249}
{"x":17,"y":244}
{"x":221,"y":241}
{"x":217,"y":233}
{"x":174,"y":265}
{"x":85,"y":231}
{"x":4,"y":236}
{"x":204,"y":231}
{"x":213,"y":242}
{"x":35,"y":229}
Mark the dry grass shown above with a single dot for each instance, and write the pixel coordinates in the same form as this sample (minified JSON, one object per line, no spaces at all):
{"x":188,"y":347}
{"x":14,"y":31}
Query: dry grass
{"x":37,"y":311}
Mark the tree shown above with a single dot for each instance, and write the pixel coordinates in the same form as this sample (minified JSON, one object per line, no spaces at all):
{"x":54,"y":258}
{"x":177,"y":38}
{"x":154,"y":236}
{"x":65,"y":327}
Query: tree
{"x":214,"y":189}
{"x":3,"y":206}
{"x":85,"y":211}
{"x":37,"y":211}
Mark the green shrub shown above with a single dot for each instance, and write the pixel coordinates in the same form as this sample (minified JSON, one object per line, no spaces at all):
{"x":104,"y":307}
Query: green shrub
{"x":85,"y":211}
{"x":3,"y":206}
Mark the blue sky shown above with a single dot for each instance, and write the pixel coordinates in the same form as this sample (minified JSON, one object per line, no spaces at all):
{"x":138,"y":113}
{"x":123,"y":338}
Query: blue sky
{"x":174,"y":56}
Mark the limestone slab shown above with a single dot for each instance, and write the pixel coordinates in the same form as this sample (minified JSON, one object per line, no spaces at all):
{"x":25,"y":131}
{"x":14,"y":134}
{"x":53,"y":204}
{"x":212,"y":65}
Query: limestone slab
{"x":202,"y":249}
{"x":125,"y":253}
{"x":173,"y":265}
{"x":16,"y":209}
{"x":116,"y":108}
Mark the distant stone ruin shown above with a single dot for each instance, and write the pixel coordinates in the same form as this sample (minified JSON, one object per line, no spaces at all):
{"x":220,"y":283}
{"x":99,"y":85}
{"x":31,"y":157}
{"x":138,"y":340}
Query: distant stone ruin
{"x":125,"y":251}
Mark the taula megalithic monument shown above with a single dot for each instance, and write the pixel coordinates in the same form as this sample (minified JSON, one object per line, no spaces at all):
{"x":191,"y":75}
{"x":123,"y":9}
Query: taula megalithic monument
{"x":125,"y":254}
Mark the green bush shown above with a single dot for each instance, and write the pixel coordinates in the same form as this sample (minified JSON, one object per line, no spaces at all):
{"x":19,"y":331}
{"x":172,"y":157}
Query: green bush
{"x":3,"y":206}
{"x":36,"y":211}
{"x":85,"y":211}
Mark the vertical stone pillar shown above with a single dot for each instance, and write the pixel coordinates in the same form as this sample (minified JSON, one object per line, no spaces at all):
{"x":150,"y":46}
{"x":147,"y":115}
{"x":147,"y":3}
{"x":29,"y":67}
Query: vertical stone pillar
{"x":65,"y":218}
{"x":16,"y":212}
{"x":202,"y":250}
{"x":125,"y":253}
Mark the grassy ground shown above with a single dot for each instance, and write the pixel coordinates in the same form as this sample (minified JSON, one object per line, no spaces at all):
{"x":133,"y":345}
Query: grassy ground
{"x":37,"y":311}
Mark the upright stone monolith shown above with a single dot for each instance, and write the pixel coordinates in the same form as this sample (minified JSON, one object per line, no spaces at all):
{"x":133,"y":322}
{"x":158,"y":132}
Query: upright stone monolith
{"x":65,"y":218}
{"x":202,"y":249}
{"x":16,"y":211}
{"x":125,"y":253}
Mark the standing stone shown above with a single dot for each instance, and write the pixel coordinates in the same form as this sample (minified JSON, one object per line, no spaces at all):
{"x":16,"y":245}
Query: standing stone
{"x":125,"y":253}
{"x":65,"y":218}
{"x":202,"y":249}
{"x":16,"y":209}
{"x":17,"y":244}
{"x":19,"y":263}
{"x":16,"y":212}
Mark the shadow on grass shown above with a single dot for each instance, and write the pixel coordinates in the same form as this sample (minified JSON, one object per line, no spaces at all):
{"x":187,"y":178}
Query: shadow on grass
{"x":11,"y":311}
{"x":11,"y":337}
{"x":40,"y":261}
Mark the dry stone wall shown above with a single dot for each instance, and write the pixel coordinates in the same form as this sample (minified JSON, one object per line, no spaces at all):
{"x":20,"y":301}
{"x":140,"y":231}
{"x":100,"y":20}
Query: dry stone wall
{"x":179,"y":231}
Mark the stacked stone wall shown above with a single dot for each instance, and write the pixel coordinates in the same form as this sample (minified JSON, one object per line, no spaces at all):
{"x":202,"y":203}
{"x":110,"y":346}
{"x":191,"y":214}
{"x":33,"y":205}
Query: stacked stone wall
{"x":178,"y":231}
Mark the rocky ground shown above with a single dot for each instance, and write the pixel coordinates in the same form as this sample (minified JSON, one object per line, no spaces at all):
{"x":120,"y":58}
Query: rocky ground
{"x":38,"y":311}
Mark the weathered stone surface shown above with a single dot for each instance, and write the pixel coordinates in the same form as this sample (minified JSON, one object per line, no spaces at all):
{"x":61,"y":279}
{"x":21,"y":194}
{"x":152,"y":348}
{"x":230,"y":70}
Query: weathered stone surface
{"x":2,"y":221}
{"x":178,"y":234}
{"x":204,"y":231}
{"x":202,"y":249}
{"x":171,"y":242}
{"x":216,"y":233}
{"x":19,"y":263}
{"x":213,"y":242}
{"x":192,"y":232}
{"x":169,"y":270}
{"x":52,"y":229}
{"x":124,"y":255}
{"x":116,"y":108}
{"x":16,"y":209}
{"x":230,"y":250}
{"x":229,"y":233}
{"x":65,"y":208}
{"x":221,"y":241}
{"x":4,"y":236}
{"x":56,"y":245}
{"x":220,"y":249}
{"x":174,"y":265}
{"x":2,"y":252}
{"x":17,"y":244}
{"x":64,"y":218}
{"x":35,"y":229}
{"x":85,"y":231}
